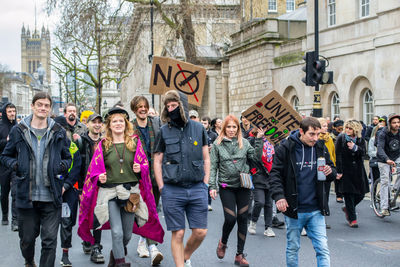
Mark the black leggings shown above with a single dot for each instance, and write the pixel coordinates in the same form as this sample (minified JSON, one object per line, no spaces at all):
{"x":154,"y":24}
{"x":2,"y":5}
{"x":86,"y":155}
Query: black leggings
{"x":351,"y":201}
{"x":235,"y":202}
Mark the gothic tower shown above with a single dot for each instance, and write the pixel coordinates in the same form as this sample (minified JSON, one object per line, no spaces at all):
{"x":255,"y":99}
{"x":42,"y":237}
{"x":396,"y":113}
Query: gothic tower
{"x":35,"y":51}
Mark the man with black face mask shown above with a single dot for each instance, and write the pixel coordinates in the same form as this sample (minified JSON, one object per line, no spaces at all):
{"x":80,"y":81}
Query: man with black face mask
{"x":182,"y":169}
{"x":75,"y":126}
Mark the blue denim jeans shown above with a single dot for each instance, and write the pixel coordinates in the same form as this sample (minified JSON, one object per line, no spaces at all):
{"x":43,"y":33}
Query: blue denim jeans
{"x":314,"y":223}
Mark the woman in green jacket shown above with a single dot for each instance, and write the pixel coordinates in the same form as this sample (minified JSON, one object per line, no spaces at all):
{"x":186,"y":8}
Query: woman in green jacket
{"x":229,"y":156}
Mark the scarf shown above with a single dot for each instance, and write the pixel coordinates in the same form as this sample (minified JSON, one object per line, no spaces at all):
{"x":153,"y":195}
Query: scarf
{"x":152,"y":229}
{"x":324,"y":136}
{"x":268,"y":154}
{"x":150,"y":155}
{"x":176,"y":117}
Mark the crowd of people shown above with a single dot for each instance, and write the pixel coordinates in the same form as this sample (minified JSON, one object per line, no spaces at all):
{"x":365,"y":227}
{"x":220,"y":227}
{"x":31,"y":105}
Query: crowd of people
{"x":112,"y":173}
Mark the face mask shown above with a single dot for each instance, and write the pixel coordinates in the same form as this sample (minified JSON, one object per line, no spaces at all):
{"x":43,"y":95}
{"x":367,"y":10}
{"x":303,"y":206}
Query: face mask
{"x":175,"y":116}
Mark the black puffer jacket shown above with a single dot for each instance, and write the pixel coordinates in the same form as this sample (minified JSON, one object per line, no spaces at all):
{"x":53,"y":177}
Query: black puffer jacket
{"x":283,"y":177}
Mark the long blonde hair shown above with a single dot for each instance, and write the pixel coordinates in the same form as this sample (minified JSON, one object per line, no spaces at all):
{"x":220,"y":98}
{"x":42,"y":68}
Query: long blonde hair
{"x":128,"y":132}
{"x":222,"y":135}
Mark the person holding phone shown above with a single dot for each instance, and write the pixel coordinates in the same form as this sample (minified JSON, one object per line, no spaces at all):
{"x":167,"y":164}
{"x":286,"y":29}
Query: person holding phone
{"x":350,"y":150}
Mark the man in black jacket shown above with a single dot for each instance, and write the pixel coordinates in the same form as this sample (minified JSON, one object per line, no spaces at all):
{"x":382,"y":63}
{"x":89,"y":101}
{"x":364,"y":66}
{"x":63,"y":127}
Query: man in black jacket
{"x":388,"y":154}
{"x":298,"y":193}
{"x":7,"y":175}
{"x":38,"y":151}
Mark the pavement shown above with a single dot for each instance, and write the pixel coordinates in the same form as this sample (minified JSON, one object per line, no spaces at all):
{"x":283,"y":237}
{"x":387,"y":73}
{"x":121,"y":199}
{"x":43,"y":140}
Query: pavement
{"x":375,"y":243}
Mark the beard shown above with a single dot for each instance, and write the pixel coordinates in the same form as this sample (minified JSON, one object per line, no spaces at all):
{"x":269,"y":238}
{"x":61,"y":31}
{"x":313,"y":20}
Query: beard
{"x":71,"y":117}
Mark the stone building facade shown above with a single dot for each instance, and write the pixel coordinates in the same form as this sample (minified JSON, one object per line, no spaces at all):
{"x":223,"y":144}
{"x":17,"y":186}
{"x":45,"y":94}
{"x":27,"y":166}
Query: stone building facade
{"x":257,"y":49}
{"x":35,"y":52}
{"x":19,"y":89}
{"x":359,"y":39}
{"x":213,"y":25}
{"x":261,"y":9}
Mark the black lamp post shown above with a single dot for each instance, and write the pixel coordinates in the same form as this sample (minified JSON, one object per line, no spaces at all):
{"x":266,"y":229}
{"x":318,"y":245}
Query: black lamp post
{"x":74,"y":53}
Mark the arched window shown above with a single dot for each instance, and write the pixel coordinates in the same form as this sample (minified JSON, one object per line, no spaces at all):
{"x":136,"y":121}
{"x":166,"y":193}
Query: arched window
{"x":295,"y":103}
{"x":368,"y":107}
{"x":335,"y":110}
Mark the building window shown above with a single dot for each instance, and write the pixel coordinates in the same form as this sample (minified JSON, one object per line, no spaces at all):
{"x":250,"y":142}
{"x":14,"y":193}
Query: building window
{"x":295,"y":103}
{"x":331,"y":12}
{"x":335,"y":110}
{"x":272,"y":6}
{"x":289,"y":5}
{"x":364,"y":8}
{"x":30,"y":67}
{"x":368,"y":107}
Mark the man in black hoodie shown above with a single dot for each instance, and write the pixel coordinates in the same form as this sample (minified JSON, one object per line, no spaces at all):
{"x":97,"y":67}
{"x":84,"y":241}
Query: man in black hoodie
{"x":7,"y":176}
{"x":298,"y":193}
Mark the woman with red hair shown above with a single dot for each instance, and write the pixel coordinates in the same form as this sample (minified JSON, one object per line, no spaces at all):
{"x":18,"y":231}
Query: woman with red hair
{"x":229,"y":156}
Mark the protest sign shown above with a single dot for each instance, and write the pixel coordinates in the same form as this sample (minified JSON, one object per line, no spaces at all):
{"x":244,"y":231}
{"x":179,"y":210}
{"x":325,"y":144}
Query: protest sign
{"x":274,"y":114}
{"x":171,"y":74}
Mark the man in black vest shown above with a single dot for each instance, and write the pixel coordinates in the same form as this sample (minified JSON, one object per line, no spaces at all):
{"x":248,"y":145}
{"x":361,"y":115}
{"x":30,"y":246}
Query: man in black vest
{"x":182,"y":169}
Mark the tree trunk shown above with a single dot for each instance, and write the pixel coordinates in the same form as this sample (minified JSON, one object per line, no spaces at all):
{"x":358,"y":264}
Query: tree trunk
{"x":187,"y":33}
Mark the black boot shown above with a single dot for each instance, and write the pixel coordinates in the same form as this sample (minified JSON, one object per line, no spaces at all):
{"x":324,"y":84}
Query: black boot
{"x":4,"y":221}
{"x":65,"y":262}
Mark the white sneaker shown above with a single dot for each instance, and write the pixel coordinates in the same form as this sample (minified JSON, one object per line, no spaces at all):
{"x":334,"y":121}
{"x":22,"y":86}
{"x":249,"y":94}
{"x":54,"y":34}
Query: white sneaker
{"x":303,"y":232}
{"x":252,"y":228}
{"x":209,"y":208}
{"x":142,"y":250}
{"x":156,"y":256}
{"x":187,"y":263}
{"x":269,"y":232}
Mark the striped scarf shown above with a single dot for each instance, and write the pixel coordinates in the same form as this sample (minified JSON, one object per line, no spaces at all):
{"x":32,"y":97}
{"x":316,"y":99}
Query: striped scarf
{"x":152,"y":138}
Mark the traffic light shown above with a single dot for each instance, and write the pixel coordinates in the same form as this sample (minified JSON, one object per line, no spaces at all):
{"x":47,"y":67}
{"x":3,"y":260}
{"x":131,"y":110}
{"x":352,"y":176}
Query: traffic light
{"x":315,"y":70}
{"x":327,"y":77}
{"x":318,"y":70}
{"x":309,"y":58}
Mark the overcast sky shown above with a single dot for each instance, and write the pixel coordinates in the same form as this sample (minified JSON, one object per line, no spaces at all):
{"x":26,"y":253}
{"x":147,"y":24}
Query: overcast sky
{"x":13,"y":14}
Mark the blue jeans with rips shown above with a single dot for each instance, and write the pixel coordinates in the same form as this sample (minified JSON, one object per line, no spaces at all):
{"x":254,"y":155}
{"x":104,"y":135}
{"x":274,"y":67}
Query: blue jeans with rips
{"x":314,"y":223}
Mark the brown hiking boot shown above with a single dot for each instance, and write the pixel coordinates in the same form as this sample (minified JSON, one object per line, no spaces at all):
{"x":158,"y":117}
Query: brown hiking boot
{"x":241,"y":260}
{"x":221,"y":250}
